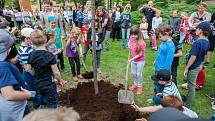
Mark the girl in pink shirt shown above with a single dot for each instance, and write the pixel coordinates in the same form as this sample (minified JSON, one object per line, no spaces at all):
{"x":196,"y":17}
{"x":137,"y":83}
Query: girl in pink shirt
{"x":137,"y":59}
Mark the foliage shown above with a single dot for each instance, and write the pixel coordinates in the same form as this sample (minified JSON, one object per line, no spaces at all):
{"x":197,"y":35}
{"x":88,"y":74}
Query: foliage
{"x":167,"y":10}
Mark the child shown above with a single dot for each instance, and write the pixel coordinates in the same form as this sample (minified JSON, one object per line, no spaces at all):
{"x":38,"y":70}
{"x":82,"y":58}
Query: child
{"x":165,"y":53}
{"x":144,"y":27}
{"x":196,"y":56}
{"x":73,"y":52}
{"x":163,"y":77}
{"x":168,"y":101}
{"x":84,"y":31}
{"x":98,"y":43}
{"x":184,"y":28}
{"x":51,"y":47}
{"x":45,"y":67}
{"x":59,"y":42}
{"x":137,"y":59}
{"x":174,"y":21}
{"x":156,"y":21}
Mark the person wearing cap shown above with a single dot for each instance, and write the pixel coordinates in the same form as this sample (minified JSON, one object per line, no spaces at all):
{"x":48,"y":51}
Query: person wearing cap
{"x":13,"y":98}
{"x":196,"y":56}
{"x":59,"y":42}
{"x":167,"y":101}
{"x":163,"y":77}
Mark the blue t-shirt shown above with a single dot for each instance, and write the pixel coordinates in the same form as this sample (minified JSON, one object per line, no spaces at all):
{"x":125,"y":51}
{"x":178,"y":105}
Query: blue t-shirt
{"x":10,"y":75}
{"x":165,"y":55}
{"x":199,"y":49}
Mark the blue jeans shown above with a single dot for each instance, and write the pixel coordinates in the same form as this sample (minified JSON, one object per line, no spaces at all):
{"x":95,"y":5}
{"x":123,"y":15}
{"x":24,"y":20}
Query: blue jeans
{"x":125,"y":37}
{"x":182,"y":37}
{"x":48,"y":96}
{"x":30,"y":86}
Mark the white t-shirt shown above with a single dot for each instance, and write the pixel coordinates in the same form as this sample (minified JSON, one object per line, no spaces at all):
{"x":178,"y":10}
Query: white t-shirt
{"x":189,"y":113}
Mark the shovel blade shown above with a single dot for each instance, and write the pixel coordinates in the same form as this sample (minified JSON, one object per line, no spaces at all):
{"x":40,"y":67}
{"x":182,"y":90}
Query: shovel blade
{"x":125,"y":97}
{"x":88,"y":75}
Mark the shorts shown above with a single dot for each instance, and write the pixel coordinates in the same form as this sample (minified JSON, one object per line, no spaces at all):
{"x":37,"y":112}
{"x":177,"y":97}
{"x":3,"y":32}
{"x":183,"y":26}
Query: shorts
{"x":212,"y":42}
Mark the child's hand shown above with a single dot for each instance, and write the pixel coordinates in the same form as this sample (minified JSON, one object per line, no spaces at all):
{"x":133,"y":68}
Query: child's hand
{"x":159,"y":94}
{"x":135,"y":107}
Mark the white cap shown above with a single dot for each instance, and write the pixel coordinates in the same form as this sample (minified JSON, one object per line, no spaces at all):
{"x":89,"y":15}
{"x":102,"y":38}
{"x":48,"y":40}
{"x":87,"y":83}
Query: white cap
{"x":26,"y":32}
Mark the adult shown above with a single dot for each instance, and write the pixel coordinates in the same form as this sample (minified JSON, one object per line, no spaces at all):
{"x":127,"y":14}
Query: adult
{"x":149,"y":11}
{"x":116,"y":23}
{"x":13,"y":98}
{"x":125,"y":20}
{"x":199,"y":16}
{"x":68,"y":15}
{"x":106,"y":26}
{"x":48,"y":11}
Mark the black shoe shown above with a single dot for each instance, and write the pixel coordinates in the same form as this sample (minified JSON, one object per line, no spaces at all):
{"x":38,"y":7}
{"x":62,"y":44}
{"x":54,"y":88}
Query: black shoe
{"x":213,"y":67}
{"x":206,"y":64}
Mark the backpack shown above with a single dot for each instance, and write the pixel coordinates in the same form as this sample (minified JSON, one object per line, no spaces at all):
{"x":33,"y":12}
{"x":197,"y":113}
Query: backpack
{"x":200,"y":79}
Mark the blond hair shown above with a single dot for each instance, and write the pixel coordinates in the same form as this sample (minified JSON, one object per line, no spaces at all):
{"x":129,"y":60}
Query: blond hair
{"x":127,"y":8}
{"x":59,"y":114}
{"x":37,"y":38}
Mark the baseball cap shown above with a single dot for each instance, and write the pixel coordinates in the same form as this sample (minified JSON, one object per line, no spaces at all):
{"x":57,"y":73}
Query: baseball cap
{"x":163,"y":75}
{"x":51,"y":18}
{"x":6,"y":41}
{"x":172,"y":114}
{"x":205,"y":26}
{"x":26,"y":32}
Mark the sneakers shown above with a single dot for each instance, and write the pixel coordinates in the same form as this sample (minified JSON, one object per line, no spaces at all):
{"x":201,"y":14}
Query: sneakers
{"x":206,"y":64}
{"x":75,"y":78}
{"x":213,"y":67}
{"x":213,"y":105}
{"x":139,"y":90}
{"x":80,"y":77}
{"x":58,"y":88}
{"x":211,"y":96}
{"x":133,"y":87}
{"x":62,"y":82}
{"x":99,"y":71}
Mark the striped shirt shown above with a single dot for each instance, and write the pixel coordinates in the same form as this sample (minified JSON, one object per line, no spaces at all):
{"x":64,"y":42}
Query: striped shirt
{"x":23,"y":54}
{"x":171,"y":89}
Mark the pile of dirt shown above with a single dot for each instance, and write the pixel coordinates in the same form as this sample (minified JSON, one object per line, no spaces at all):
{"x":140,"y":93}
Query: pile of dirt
{"x":101,"y":107}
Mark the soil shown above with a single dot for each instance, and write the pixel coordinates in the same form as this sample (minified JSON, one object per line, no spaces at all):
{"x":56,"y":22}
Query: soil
{"x":101,"y":107}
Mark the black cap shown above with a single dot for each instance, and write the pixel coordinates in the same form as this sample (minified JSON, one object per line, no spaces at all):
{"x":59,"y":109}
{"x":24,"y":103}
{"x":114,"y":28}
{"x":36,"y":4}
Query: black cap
{"x":172,"y":114}
{"x":162,"y":75}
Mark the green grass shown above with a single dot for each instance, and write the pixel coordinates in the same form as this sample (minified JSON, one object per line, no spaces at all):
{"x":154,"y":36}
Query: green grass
{"x":113,"y":66}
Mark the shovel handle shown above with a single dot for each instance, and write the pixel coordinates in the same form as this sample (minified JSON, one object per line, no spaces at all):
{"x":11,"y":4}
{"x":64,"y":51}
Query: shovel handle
{"x":126,"y":78}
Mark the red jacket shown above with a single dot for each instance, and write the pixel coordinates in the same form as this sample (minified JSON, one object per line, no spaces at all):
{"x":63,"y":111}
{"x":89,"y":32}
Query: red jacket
{"x":186,"y":26}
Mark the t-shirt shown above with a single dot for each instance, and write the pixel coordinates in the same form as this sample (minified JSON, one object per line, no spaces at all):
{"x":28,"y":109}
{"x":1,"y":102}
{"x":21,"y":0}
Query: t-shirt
{"x":177,"y":47}
{"x":133,"y":46}
{"x":149,"y":13}
{"x":171,"y":89}
{"x":199,"y":49}
{"x":58,"y":37}
{"x":9,"y":110}
{"x":23,"y":53}
{"x":165,"y":55}
{"x":41,"y":61}
{"x":84,"y":31}
{"x":156,"y":22}
{"x":71,"y":49}
{"x":108,"y":25}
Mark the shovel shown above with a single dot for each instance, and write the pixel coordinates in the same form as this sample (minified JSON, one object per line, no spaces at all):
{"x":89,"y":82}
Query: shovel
{"x":126,"y":96}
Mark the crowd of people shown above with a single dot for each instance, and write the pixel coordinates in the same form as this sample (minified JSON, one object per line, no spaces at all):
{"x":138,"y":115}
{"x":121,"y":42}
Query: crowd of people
{"x":33,"y":71}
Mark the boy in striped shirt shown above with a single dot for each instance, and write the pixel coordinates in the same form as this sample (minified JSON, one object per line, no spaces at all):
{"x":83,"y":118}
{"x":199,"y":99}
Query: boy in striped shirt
{"x":164,"y":78}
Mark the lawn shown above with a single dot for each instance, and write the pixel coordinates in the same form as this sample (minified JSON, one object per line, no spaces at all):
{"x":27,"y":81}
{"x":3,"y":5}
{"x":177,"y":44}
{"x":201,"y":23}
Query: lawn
{"x":113,"y":66}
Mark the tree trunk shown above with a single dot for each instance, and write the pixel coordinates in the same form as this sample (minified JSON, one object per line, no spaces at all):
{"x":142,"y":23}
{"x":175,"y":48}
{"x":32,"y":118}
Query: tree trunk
{"x":94,"y":48}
